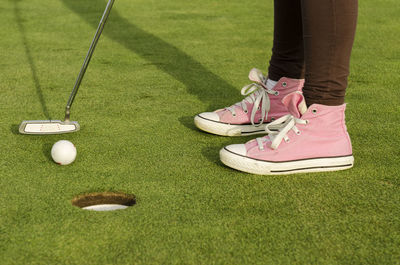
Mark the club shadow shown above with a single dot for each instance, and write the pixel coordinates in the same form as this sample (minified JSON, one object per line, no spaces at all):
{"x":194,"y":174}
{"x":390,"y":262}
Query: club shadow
{"x":31,"y":62}
{"x":198,"y":80}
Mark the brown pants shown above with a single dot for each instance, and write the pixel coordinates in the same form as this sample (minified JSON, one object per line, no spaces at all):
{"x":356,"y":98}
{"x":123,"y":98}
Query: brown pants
{"x":313,"y":40}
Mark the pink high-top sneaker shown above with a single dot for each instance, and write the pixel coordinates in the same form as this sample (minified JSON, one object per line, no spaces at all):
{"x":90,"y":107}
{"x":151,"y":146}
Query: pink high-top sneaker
{"x":251,"y":115}
{"x":309,"y":140}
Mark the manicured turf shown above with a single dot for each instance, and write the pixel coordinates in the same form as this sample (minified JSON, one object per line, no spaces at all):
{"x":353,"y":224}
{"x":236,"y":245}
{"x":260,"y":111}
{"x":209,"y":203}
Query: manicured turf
{"x":157,"y":65}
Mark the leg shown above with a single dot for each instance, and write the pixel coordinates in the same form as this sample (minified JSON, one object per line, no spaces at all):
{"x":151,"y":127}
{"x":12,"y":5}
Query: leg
{"x":263,"y":103}
{"x":313,"y":138}
{"x":287,"y":58}
{"x":329,"y":28}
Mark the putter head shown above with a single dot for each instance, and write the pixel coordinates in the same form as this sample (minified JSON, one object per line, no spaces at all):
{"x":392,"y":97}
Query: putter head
{"x":48,"y":127}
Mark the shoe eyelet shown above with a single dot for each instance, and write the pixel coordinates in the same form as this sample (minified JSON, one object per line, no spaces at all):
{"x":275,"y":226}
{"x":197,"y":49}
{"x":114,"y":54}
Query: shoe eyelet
{"x":298,"y":132}
{"x":258,"y":108}
{"x":272,"y":118}
{"x":314,"y":111}
{"x":287,"y":140}
{"x":260,"y":120}
{"x":284,"y":84}
{"x":246,"y":111}
{"x":307,"y":121}
{"x":276,"y":93}
{"x":234,"y":115}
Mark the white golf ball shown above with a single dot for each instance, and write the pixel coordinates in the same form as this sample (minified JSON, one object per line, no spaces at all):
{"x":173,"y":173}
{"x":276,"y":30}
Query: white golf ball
{"x":63,"y":152}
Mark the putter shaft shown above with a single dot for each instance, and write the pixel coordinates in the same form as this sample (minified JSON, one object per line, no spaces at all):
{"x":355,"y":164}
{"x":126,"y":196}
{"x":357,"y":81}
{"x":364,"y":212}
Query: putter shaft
{"x":87,"y":59}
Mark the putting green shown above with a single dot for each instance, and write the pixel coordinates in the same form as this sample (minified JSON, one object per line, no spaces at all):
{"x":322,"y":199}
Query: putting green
{"x":157,"y":64}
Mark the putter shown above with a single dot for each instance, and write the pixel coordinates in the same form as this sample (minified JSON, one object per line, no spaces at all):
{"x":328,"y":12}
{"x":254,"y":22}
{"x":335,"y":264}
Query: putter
{"x":67,"y":126}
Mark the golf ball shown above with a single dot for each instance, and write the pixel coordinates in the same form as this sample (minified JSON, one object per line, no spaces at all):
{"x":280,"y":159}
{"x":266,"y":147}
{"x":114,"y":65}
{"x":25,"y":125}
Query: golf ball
{"x":63,"y":152}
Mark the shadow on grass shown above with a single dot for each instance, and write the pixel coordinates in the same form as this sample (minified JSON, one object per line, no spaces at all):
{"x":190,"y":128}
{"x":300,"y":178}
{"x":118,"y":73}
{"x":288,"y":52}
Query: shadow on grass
{"x":39,"y":92}
{"x":212,"y":154}
{"x":46,"y":149}
{"x":14,"y":128}
{"x":187,"y":121}
{"x":198,"y":80}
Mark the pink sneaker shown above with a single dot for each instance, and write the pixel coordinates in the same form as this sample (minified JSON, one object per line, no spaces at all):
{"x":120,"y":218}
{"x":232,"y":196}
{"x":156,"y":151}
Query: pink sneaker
{"x":252,"y":114}
{"x":310,"y":140}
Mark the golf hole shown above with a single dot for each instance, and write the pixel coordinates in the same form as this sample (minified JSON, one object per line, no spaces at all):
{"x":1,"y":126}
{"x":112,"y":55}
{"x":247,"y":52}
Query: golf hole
{"x":104,"y":201}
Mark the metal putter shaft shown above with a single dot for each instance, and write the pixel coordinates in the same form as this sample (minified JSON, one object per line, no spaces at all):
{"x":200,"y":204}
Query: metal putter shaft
{"x":87,"y":59}
{"x":67,"y":126}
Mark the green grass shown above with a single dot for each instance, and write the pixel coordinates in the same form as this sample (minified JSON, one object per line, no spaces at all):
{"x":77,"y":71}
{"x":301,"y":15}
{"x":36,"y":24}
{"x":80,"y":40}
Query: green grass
{"x":158,"y":64}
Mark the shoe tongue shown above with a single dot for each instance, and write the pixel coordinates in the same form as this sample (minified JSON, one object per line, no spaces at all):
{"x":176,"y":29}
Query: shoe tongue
{"x":295,"y":103}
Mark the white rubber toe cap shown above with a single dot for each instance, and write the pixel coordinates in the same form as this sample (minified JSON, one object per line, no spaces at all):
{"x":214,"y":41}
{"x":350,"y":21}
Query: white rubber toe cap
{"x":239,"y":149}
{"x":209,"y":116}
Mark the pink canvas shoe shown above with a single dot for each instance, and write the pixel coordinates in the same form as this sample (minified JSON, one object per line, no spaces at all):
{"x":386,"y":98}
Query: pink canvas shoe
{"x":310,"y":140}
{"x":251,"y":115}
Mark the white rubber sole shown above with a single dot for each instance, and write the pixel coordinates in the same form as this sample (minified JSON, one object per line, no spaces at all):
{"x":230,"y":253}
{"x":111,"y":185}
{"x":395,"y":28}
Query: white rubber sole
{"x":261,"y":167}
{"x":226,"y":129}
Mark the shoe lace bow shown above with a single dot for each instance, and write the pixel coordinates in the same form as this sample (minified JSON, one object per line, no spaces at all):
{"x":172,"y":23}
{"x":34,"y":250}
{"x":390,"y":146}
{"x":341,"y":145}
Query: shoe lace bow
{"x":257,"y":94}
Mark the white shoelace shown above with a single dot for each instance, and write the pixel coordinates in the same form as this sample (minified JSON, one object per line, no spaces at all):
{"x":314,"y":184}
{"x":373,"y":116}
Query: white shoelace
{"x":286,"y":123}
{"x":259,"y":95}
